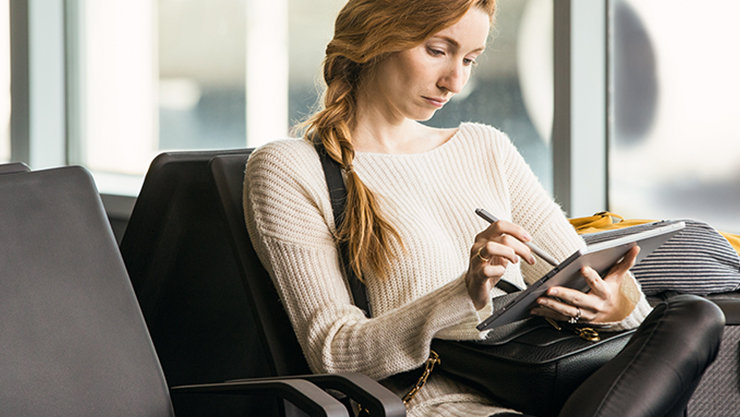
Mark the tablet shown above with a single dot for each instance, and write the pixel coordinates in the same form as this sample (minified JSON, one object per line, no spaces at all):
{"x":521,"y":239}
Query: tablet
{"x":601,"y":254}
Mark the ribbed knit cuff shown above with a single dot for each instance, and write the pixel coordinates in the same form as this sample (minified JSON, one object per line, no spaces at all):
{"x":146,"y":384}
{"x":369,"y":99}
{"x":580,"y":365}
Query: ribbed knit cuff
{"x":461,"y":306}
{"x":642,"y":309}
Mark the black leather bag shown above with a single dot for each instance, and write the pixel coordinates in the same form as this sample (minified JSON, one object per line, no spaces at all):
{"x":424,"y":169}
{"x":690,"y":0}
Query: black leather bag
{"x":532,"y":365}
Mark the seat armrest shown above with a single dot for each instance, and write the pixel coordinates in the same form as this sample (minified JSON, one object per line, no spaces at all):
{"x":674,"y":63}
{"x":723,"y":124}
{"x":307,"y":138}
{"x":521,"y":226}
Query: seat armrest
{"x":377,"y":399}
{"x":303,"y":394}
{"x":730,"y":305}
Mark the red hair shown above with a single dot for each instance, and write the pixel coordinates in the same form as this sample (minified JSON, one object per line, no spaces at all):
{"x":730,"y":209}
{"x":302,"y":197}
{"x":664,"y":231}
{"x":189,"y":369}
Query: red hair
{"x":366,"y":31}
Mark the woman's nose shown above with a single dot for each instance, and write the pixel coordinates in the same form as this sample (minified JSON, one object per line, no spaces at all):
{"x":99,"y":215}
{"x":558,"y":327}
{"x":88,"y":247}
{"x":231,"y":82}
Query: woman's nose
{"x":454,"y":79}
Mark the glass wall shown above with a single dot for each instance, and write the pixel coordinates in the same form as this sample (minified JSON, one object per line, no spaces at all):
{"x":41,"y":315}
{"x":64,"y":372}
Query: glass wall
{"x":116,"y":87}
{"x":675,"y":148}
{"x":511,"y":87}
{"x":311,"y":28}
{"x":186,"y":74}
{"x":201,"y":57}
{"x":4,"y":81}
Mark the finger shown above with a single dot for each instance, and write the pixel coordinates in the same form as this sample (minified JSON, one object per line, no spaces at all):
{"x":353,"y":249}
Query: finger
{"x":520,"y":249}
{"x":546,"y":312}
{"x":509,"y":234}
{"x":509,"y":247}
{"x":497,"y":251}
{"x":573,"y":297}
{"x":478,"y":252}
{"x":620,"y":268}
{"x":595,"y":282}
{"x":493,"y":271}
{"x":562,"y":308}
{"x":557,"y":315}
{"x":503,"y":227}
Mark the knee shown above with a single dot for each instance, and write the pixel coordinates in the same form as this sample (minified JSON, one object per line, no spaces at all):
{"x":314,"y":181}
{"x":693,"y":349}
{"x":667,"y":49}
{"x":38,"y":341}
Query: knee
{"x":698,"y":317}
{"x":697,"y":310}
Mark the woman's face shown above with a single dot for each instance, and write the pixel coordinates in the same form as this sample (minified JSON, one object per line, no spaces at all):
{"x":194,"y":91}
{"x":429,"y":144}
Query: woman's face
{"x":415,"y":83}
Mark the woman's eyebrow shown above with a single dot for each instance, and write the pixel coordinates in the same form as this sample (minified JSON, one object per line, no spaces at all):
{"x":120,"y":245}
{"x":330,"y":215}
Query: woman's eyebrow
{"x":456,"y":45}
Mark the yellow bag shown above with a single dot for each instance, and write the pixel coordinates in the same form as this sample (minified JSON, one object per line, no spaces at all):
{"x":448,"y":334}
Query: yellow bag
{"x":605,"y":220}
{"x":733,"y":239}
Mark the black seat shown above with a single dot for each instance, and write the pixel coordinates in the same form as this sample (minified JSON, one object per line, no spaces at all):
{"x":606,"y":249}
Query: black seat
{"x":203,"y":316}
{"x":73,"y":341}
{"x":283,"y":353}
{"x":184,"y":274}
{"x":13,"y":167}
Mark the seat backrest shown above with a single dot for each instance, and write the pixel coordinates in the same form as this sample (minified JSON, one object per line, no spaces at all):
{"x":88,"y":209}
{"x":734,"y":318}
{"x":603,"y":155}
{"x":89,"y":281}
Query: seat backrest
{"x":185,"y":276}
{"x":284,"y":354}
{"x":72,"y":338}
{"x":186,"y":279}
{"x":13,"y":167}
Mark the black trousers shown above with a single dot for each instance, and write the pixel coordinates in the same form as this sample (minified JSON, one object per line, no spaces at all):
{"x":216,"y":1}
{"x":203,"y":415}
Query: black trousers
{"x":658,"y":370}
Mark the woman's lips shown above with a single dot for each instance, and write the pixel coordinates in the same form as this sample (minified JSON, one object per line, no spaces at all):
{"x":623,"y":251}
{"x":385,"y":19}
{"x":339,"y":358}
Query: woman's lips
{"x":436,"y":102}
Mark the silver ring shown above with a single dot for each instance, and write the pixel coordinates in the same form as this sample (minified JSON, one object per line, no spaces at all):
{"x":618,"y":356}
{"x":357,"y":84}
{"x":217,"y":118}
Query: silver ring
{"x":574,"y":319}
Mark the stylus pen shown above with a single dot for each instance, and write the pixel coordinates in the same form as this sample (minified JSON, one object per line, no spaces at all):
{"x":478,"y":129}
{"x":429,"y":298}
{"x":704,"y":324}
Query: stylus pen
{"x":490,"y":218}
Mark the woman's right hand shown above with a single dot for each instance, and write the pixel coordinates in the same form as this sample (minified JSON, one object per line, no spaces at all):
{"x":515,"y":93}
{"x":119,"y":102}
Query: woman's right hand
{"x":493,"y":250}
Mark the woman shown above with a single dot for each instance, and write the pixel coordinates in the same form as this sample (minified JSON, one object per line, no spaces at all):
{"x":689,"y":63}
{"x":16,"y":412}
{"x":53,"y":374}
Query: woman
{"x":429,"y":263}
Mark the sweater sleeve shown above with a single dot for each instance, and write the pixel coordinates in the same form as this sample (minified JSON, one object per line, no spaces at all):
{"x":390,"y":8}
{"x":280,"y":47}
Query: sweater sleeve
{"x":289,"y":219}
{"x":534,"y":209}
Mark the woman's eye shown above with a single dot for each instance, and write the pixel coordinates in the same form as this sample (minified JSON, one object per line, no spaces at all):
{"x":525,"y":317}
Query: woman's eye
{"x":435,"y":52}
{"x":469,"y":61}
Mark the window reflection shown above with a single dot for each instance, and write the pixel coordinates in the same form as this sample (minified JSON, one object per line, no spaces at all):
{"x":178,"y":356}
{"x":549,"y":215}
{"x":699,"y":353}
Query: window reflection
{"x":675,"y":149}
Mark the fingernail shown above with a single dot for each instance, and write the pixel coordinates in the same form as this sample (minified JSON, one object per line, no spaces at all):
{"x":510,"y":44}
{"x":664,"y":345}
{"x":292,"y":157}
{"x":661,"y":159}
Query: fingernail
{"x":553,"y":292}
{"x":532,"y":261}
{"x":527,"y":237}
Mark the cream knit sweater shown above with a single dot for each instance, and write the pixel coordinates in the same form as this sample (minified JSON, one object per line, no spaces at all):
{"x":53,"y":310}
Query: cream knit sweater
{"x":430,"y":198}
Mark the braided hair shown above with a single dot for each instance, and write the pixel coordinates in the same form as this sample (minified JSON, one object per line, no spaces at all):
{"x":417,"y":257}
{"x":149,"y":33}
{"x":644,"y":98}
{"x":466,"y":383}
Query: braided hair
{"x":367,"y":31}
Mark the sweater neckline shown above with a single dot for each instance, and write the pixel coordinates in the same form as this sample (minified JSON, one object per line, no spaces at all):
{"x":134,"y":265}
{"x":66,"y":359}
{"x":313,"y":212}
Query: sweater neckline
{"x":428,"y":152}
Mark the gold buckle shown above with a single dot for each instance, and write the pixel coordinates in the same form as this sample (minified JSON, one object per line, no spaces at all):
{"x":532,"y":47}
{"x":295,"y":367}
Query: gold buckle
{"x":585,"y":333}
{"x":588,"y":333}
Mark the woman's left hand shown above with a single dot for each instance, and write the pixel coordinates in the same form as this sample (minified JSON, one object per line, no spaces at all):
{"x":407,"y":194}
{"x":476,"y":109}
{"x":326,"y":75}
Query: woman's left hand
{"x":605,"y":302}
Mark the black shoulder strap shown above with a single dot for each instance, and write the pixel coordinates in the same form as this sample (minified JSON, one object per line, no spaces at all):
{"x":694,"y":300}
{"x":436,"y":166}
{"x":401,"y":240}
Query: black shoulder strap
{"x":338,"y":195}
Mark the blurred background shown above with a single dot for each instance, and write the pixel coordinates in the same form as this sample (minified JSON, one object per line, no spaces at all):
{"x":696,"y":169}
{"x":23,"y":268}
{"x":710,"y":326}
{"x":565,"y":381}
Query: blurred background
{"x":124,"y":81}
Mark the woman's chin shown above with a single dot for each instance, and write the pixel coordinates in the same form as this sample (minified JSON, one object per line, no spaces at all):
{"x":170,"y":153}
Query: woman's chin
{"x":425,"y":116}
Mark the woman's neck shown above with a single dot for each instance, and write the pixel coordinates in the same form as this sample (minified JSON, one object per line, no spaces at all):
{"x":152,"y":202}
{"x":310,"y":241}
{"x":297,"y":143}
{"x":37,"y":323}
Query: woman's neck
{"x":373,"y":135}
{"x":408,"y":137}
{"x":374,"y":131}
